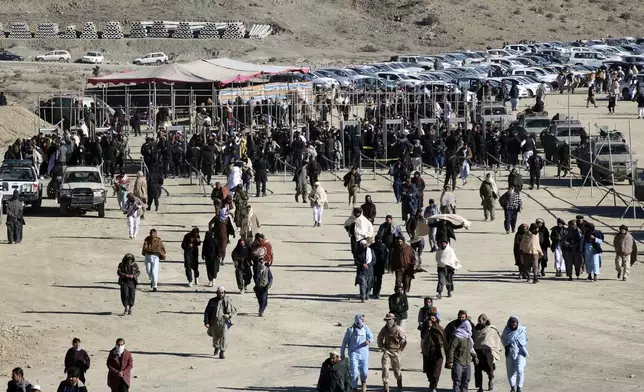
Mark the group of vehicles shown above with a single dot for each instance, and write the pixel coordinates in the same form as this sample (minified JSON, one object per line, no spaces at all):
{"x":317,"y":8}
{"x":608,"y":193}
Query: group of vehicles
{"x":78,"y":189}
{"x":526,"y":64}
{"x":91,"y":57}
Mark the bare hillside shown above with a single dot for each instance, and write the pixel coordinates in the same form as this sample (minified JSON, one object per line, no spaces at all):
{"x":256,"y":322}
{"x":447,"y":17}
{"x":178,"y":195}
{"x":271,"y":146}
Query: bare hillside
{"x":352,"y":29}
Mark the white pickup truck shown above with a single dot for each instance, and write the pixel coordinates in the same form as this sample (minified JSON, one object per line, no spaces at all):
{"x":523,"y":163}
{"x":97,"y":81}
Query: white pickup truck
{"x":82,"y":190}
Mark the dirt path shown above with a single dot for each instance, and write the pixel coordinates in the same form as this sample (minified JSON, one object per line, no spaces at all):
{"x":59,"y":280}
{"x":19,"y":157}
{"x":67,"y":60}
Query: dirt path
{"x":60,"y":283}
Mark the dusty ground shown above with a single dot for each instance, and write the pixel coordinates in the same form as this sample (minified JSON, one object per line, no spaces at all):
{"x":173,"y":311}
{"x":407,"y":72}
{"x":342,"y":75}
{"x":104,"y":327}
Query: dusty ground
{"x":60,"y":283}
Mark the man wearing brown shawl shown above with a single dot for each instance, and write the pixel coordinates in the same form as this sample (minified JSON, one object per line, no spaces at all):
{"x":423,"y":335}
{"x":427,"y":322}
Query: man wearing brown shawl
{"x":487,"y":344}
{"x":531,"y":253}
{"x":433,"y":349}
{"x":403,"y":264}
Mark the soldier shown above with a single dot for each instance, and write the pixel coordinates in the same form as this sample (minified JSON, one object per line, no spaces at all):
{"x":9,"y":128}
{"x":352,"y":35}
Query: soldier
{"x":392,"y":341}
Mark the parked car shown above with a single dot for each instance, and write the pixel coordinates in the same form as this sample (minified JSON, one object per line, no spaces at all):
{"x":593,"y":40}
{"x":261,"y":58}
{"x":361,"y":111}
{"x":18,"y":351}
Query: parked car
{"x":62,"y":56}
{"x":157,"y":58}
{"x":614,"y":156}
{"x":5,"y":55}
{"x":92,"y":57}
{"x":374,"y":84}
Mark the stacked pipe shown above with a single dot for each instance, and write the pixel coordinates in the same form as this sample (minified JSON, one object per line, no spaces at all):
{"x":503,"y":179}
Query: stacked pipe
{"x":69,"y":33}
{"x":113,"y":30}
{"x":19,"y":30}
{"x":158,"y":30}
{"x":209,"y":31}
{"x":235,"y":30}
{"x":89,"y":31}
{"x":137,"y":30}
{"x":183,"y":31}
{"x":259,"y":31}
{"x":46,"y":30}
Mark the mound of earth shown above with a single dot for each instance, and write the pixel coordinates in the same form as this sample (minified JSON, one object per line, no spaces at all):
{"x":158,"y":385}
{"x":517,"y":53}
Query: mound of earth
{"x":17,"y":122}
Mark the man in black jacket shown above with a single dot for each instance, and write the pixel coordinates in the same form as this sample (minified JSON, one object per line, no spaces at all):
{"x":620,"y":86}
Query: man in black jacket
{"x":334,"y":375}
{"x":18,"y":382}
{"x":78,"y":358}
{"x":208,"y":160}
{"x":261,"y":174}
{"x":381,"y":264}
{"x":155,"y":181}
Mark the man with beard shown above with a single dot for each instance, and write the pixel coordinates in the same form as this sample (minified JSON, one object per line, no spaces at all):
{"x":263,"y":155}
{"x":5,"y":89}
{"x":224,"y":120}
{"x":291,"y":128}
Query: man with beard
{"x":531,"y":253}
{"x":352,"y":183}
{"x":392,"y":341}
{"x":217,"y":319}
{"x":460,"y":355}
{"x":544,"y":242}
{"x":403,"y":264}
{"x":359,"y":228}
{"x":18,"y":382}
{"x":312,"y":171}
{"x":299,"y":177}
{"x":357,"y":339}
{"x":369,"y":209}
{"x":571,"y":249}
{"x":380,"y":265}
{"x":364,"y":260}
{"x":334,"y":375}
{"x":389,"y":232}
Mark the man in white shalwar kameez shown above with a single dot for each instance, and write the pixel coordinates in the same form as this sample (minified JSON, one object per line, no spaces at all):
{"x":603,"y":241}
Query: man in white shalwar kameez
{"x":234,"y":179}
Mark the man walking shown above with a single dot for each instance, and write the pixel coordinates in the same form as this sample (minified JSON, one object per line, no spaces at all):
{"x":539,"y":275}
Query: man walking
{"x":460,"y":355}
{"x":14,"y":208}
{"x":512,"y":204}
{"x":18,"y":382}
{"x":623,"y":244}
{"x":218,"y":319}
{"x":76,"y":357}
{"x":488,"y":193}
{"x":380,"y":265}
{"x":364,"y":261}
{"x":154,"y":252}
{"x":392,"y":341}
{"x":357,"y":339}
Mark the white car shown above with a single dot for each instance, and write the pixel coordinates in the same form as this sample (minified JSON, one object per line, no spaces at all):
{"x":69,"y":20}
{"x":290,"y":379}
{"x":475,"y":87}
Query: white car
{"x":157,"y":58}
{"x":93,"y":58}
{"x":55,"y":55}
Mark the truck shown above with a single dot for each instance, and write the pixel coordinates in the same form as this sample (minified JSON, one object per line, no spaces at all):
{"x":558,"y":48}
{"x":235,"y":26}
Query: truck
{"x":21,"y":175}
{"x":82,"y":190}
{"x":559,"y":132}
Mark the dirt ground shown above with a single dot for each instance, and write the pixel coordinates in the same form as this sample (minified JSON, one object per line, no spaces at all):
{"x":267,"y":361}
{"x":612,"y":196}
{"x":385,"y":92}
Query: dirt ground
{"x":60,"y":283}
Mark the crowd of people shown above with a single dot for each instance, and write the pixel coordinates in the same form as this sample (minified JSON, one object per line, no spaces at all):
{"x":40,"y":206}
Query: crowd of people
{"x":247,"y":158}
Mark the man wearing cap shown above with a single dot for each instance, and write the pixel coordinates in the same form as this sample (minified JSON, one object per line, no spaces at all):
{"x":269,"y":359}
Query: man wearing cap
{"x":334,"y":375}
{"x":363,"y":259}
{"x":392,"y":341}
{"x":218,"y":318}
{"x":624,"y":247}
{"x":357,"y":339}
